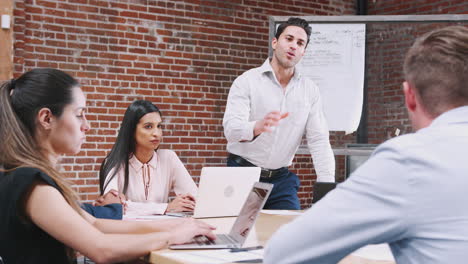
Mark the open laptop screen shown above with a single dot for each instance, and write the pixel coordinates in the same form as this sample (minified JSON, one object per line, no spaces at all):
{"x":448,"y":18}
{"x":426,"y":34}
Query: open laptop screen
{"x":249,"y":212}
{"x":223,"y":190}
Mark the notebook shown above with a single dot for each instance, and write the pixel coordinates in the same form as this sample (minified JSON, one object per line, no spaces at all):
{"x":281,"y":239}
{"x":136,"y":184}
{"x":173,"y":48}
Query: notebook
{"x":321,"y":189}
{"x":242,"y":226}
{"x":222,"y":190}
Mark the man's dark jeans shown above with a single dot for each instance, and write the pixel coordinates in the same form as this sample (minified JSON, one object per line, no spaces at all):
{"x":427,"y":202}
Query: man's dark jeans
{"x":284,"y":193}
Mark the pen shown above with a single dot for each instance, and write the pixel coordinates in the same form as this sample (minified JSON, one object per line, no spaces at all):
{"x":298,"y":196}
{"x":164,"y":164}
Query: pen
{"x":245,"y":249}
{"x":250,"y":261}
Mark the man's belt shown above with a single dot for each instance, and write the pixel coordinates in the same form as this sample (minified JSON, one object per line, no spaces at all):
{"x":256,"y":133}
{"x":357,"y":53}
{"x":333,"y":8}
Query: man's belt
{"x":265,"y":173}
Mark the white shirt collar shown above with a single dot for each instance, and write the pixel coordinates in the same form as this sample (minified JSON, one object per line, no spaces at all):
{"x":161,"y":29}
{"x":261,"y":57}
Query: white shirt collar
{"x":454,"y":115}
{"x":137,"y":165}
{"x":266,"y":67}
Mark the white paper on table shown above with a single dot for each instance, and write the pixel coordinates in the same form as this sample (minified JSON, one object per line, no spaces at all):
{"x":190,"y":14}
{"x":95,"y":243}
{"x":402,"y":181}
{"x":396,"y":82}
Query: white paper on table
{"x":281,"y":212}
{"x":375,"y":252}
{"x":214,"y":256}
{"x":146,"y":217}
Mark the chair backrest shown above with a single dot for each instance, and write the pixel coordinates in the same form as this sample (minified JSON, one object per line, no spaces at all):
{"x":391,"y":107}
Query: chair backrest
{"x":321,"y":189}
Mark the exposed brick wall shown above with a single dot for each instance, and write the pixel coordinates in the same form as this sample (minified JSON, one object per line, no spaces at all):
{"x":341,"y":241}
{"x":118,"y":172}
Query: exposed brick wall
{"x":181,"y":55}
{"x":387,"y":44}
{"x":413,"y":7}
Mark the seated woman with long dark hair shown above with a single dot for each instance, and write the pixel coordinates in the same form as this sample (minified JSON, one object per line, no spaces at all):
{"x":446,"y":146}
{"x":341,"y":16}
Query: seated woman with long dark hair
{"x":42,"y":117}
{"x":145,"y":174}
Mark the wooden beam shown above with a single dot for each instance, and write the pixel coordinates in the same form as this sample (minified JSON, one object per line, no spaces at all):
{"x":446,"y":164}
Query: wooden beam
{"x":6,"y":42}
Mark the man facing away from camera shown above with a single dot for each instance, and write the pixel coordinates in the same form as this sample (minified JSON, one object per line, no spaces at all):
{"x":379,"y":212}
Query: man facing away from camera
{"x":411,"y":193}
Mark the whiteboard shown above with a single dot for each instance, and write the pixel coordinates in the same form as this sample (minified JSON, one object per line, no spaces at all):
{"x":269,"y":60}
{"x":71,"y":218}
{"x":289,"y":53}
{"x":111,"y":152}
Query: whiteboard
{"x":334,"y":60}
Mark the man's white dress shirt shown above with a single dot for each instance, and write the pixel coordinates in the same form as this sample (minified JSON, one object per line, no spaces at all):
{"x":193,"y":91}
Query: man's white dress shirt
{"x":257,"y":92}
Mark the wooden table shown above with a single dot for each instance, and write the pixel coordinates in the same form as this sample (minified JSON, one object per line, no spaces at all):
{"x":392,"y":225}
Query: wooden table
{"x":265,"y":226}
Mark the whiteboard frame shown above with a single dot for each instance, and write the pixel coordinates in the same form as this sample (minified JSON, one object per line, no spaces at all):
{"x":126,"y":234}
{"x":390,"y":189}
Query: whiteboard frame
{"x":273,"y":20}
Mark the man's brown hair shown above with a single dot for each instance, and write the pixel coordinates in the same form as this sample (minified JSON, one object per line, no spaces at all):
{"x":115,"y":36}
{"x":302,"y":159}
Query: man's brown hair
{"x":437,"y":66}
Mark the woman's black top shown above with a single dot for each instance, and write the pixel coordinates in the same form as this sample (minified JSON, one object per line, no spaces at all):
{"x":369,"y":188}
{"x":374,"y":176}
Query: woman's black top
{"x":21,"y":241}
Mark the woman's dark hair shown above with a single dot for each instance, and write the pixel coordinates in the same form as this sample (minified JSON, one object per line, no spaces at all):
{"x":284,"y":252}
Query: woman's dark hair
{"x":39,"y":88}
{"x":20,"y":102}
{"x":125,"y":144}
{"x":294,"y":21}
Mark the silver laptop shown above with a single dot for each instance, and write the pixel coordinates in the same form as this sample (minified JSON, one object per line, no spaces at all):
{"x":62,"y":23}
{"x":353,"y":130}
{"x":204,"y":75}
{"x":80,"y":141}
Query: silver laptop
{"x":222,"y":190}
{"x":242,"y":226}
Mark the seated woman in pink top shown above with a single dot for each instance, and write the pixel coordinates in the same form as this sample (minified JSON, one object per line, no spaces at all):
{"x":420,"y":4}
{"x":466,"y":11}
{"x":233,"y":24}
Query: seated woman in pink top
{"x":141,"y":171}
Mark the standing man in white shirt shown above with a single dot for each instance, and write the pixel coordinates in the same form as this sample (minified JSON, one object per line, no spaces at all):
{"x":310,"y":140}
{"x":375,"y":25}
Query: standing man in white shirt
{"x":268,"y":110}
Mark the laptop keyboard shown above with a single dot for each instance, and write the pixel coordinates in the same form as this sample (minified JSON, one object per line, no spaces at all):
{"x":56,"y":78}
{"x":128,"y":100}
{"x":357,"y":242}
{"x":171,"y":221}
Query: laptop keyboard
{"x":220,"y":239}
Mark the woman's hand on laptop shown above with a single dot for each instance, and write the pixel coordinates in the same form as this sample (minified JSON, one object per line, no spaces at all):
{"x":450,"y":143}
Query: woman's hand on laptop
{"x":190,"y":228}
{"x":182,"y":203}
